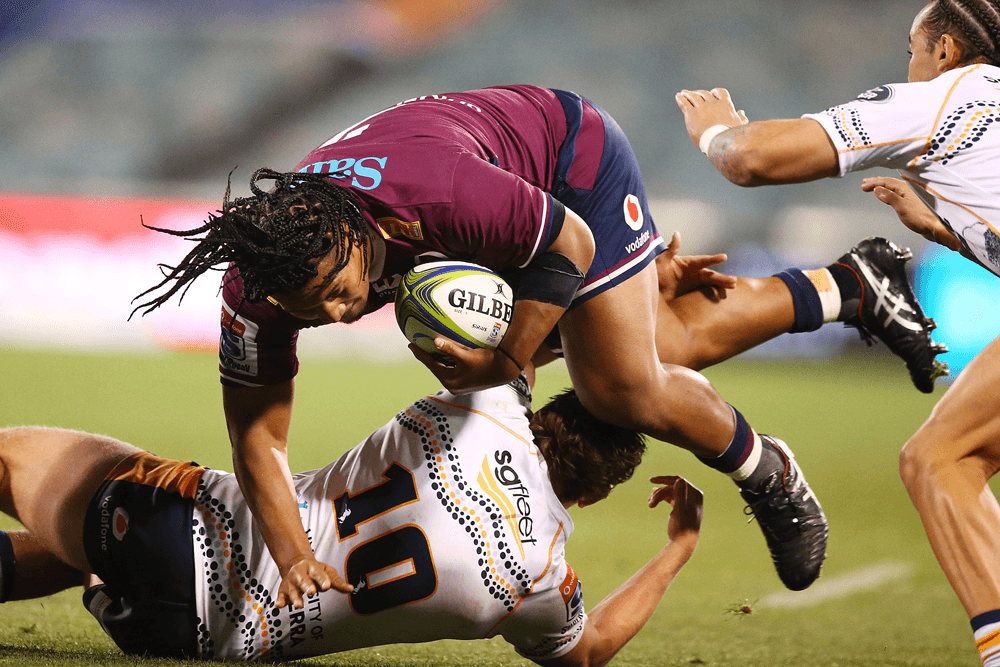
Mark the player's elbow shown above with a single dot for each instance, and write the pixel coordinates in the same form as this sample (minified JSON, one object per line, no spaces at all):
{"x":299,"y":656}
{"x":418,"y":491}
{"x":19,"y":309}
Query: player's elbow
{"x":747,"y":164}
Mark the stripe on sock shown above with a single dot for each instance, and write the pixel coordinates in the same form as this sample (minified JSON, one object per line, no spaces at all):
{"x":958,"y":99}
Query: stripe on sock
{"x":988,"y":643}
{"x":829,"y":293}
{"x":742,"y":454}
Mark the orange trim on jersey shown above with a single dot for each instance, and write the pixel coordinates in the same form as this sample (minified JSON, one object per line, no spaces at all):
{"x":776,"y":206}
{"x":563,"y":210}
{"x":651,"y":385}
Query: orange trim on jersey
{"x":531,"y":448}
{"x":937,"y":118}
{"x":151,"y":470}
{"x":884,"y":143}
{"x":521,"y":598}
{"x":384,"y":479}
{"x":954,"y":203}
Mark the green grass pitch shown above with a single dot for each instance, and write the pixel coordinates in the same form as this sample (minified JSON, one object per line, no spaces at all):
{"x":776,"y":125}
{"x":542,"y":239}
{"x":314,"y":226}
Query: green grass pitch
{"x":846,"y":421}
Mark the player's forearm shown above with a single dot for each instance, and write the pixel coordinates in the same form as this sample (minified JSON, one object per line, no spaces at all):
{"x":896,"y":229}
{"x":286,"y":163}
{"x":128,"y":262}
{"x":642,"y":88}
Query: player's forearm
{"x":619,"y":616}
{"x":258,"y":421}
{"x":266,"y":482}
{"x":773,"y":152}
{"x":530,"y":323}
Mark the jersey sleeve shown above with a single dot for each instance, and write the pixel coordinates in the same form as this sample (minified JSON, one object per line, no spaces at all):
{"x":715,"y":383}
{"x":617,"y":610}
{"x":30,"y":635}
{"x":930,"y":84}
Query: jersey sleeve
{"x":499,"y":218}
{"x":887,"y":126}
{"x":258,"y":340}
{"x":549,"y":623}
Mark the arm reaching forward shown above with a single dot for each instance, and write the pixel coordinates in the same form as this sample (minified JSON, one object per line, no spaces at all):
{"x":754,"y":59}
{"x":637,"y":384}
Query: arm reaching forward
{"x":767,"y":152}
{"x":258,"y":420}
{"x":619,"y":616}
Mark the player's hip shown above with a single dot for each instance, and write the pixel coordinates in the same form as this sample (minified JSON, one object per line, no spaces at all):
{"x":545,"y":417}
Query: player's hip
{"x":137,"y":537}
{"x":598,"y":178}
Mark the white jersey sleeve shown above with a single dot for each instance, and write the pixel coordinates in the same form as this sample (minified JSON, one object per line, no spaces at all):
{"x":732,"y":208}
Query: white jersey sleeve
{"x":887,"y":126}
{"x":944,"y":138}
{"x":550,"y":621}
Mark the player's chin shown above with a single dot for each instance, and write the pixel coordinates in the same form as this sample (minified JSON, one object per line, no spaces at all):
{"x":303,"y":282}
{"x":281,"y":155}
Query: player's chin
{"x":353,"y":314}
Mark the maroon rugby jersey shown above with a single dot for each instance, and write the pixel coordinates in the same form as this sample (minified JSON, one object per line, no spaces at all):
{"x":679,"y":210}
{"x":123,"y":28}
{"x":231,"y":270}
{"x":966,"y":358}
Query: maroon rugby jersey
{"x":460,"y":176}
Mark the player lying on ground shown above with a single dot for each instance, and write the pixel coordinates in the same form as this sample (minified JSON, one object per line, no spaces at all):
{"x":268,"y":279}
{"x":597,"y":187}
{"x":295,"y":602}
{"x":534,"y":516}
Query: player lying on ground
{"x":543,"y":187}
{"x":941,"y":130}
{"x":448,"y":522}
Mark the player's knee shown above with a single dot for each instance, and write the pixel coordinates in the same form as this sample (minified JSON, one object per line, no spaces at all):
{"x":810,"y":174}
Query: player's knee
{"x":912,"y":465}
{"x":921,"y":462}
{"x":627,"y":406}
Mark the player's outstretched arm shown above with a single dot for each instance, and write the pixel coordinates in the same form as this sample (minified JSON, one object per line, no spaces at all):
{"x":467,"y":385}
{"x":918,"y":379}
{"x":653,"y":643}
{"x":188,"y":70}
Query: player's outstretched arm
{"x":768,"y":152}
{"x":258,"y":420}
{"x":619,"y":616}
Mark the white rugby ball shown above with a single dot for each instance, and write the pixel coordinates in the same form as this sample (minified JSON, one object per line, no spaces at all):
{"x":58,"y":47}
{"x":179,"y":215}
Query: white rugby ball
{"x":461,"y":301}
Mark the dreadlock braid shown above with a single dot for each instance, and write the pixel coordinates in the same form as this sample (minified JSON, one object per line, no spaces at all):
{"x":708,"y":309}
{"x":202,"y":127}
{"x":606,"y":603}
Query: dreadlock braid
{"x":275,"y":238}
{"x":974,"y":23}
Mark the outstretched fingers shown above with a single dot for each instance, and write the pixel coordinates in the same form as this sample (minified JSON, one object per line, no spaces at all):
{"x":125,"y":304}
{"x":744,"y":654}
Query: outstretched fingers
{"x":307,"y":578}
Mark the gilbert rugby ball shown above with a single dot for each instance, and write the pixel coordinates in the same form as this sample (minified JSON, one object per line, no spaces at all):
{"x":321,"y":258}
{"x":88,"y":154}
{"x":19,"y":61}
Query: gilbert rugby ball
{"x":463,"y":302}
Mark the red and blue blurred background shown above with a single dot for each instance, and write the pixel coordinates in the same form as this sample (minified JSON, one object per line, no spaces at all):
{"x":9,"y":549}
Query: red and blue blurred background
{"x":115,"y":111}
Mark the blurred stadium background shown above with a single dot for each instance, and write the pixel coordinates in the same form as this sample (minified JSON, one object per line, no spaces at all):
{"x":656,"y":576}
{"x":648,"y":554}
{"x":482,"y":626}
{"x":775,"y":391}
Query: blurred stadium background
{"x":119,"y":109}
{"x":116,"y":110}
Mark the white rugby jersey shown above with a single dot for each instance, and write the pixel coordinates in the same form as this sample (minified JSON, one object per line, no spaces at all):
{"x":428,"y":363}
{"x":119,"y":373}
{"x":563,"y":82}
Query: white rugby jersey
{"x":944,"y":138}
{"x":443,"y":520}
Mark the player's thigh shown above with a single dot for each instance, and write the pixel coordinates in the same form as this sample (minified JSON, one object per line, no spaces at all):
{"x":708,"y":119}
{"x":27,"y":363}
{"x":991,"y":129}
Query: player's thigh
{"x":50,"y":477}
{"x":673,"y":337}
{"x":609,"y":342}
{"x":965,"y":423}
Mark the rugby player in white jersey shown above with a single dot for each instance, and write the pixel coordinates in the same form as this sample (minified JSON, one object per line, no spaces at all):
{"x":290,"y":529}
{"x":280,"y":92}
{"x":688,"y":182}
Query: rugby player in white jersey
{"x":448,"y":522}
{"x":941,"y":130}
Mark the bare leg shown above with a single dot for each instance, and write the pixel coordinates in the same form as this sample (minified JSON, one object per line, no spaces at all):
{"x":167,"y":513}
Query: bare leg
{"x":48,"y":478}
{"x":39,"y":573}
{"x":945,"y":467}
{"x":610,"y":349}
{"x":702,"y":328}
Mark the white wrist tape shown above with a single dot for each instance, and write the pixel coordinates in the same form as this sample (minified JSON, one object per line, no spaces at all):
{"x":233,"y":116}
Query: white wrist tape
{"x":708,"y":135}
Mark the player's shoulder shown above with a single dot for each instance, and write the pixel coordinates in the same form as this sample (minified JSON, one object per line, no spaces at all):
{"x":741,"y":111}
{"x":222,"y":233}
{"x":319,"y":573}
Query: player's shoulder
{"x":948,"y":84}
{"x":265,"y":313}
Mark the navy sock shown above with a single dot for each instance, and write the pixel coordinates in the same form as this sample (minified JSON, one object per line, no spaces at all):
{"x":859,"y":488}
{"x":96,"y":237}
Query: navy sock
{"x":739,"y":459}
{"x":805,"y":298}
{"x":985,"y":618}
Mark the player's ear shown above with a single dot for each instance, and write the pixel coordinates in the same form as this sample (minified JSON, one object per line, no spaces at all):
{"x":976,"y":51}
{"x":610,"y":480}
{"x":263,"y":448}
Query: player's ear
{"x":949,"y":53}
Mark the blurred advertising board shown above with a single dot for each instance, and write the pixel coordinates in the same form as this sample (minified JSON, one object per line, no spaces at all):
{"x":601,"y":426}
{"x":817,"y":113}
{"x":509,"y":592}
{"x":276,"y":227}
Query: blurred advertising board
{"x":70,"y":268}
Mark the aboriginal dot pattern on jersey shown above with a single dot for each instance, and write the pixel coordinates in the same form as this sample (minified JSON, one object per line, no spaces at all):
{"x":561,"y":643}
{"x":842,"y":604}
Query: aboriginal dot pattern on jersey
{"x":231,"y":586}
{"x":502,"y":575}
{"x":992,"y":247}
{"x":962,"y":129}
{"x":848,"y":124}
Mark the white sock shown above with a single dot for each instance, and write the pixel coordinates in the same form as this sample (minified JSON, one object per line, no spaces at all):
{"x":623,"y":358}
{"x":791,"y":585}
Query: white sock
{"x":753,"y":460}
{"x":829,"y":293}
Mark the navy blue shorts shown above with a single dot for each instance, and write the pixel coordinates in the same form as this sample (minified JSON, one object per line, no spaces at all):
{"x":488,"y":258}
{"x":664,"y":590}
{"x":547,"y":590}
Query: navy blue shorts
{"x":137,"y":538}
{"x":597,"y":177}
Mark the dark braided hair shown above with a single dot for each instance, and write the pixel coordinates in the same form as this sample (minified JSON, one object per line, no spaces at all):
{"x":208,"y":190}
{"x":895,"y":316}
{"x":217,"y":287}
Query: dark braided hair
{"x":586,"y":457}
{"x":975,"y":24}
{"x":275,"y":238}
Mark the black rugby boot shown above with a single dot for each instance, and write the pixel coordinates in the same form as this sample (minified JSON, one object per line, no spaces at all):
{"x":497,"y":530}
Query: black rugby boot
{"x":790,"y":517}
{"x":888,"y":310}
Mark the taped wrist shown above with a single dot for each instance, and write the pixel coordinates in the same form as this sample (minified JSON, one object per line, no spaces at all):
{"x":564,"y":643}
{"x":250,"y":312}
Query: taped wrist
{"x":551,"y":278}
{"x":7,"y":566}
